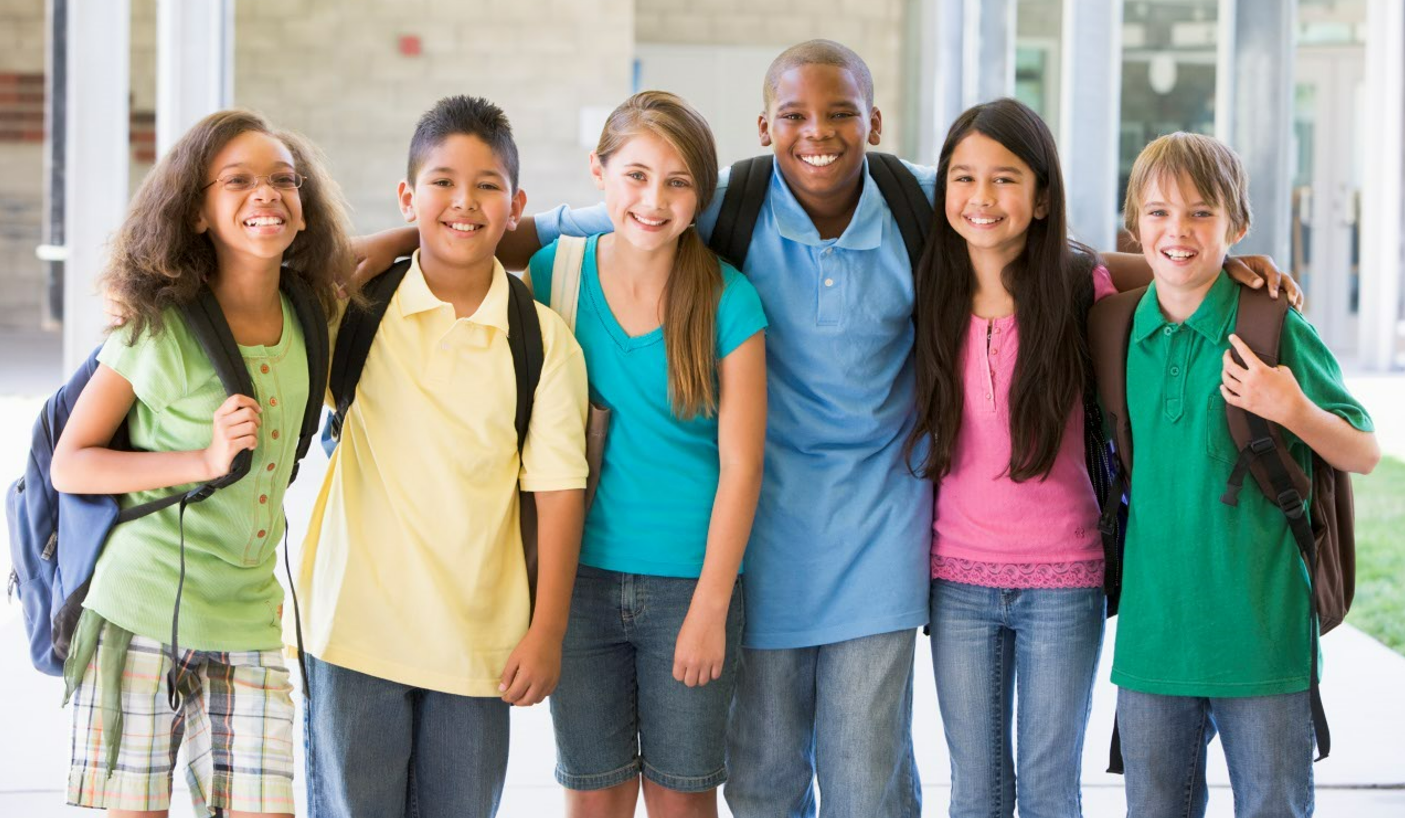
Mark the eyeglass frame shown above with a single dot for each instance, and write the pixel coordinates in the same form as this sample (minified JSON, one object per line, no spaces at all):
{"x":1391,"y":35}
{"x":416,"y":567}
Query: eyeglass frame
{"x":269,"y":177}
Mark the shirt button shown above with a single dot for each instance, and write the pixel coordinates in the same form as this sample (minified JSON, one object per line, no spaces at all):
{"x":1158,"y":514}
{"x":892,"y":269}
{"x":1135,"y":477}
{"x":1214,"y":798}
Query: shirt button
{"x":829,"y":282}
{"x":270,"y":467}
{"x":263,"y":498}
{"x":262,"y":533}
{"x":989,"y":396}
{"x":997,"y":330}
{"x":1169,"y":330}
{"x":264,"y":369}
{"x":994,"y":351}
{"x":272,"y":401}
{"x":275,"y":434}
{"x":829,"y":251}
{"x":1175,"y":370}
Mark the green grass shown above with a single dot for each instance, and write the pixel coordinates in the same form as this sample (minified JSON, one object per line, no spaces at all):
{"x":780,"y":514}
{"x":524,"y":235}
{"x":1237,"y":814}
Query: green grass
{"x":1379,"y":608}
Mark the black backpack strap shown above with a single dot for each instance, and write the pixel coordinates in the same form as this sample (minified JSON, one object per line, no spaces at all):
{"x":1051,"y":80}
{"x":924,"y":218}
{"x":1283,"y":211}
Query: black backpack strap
{"x":207,"y":323}
{"x":524,"y":336}
{"x":747,"y":184}
{"x":908,"y":202}
{"x":355,"y":335}
{"x":313,"y":320}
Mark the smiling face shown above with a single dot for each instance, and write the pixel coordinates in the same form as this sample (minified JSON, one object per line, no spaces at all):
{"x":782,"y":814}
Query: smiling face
{"x":1184,"y":237}
{"x":818,"y":124}
{"x":462,"y":201}
{"x":649,"y":192}
{"x":254,"y":225}
{"x":992,"y":196}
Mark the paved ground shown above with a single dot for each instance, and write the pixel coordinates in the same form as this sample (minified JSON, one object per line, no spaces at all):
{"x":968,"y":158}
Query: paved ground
{"x":1364,"y":778}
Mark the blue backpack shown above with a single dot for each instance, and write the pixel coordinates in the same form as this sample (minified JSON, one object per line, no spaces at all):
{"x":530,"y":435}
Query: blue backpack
{"x":56,"y":538}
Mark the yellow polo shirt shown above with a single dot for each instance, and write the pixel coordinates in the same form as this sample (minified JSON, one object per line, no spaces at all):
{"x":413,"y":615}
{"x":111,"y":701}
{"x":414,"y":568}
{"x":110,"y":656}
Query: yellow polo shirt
{"x":412,"y":569}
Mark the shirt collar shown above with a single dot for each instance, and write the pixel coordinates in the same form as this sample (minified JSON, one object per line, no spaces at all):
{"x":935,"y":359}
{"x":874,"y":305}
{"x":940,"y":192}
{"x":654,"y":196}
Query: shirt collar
{"x":414,"y":296}
{"x":865,"y":230}
{"x":1211,"y":319}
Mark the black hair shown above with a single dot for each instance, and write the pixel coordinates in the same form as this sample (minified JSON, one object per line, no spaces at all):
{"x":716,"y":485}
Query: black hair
{"x":469,"y":116}
{"x":817,"y":52}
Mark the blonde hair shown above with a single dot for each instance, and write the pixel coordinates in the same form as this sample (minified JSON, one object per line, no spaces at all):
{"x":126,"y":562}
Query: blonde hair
{"x":1212,"y":166}
{"x":690,"y":297}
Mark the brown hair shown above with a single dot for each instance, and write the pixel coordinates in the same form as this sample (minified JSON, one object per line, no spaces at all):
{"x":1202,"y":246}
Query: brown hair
{"x":1213,"y":167}
{"x":690,"y":297}
{"x":158,"y":260}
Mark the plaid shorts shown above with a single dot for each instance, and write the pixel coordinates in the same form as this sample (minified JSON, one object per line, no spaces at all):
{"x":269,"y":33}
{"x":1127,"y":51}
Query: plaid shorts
{"x":236,"y":722}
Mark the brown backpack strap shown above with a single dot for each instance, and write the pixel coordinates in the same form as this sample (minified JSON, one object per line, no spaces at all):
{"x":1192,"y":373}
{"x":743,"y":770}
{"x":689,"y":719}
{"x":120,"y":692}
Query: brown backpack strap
{"x":1259,"y":324}
{"x":1109,"y":327}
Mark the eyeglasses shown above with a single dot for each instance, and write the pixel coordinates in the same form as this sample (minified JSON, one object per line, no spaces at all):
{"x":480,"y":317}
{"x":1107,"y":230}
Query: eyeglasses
{"x":237,"y":182}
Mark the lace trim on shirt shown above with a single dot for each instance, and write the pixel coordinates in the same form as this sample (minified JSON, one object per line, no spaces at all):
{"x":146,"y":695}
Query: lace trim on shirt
{"x":1080,"y":574}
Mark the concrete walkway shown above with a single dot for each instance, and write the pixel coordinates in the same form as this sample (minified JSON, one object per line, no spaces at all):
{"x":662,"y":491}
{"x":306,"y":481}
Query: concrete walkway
{"x":1364,"y":778}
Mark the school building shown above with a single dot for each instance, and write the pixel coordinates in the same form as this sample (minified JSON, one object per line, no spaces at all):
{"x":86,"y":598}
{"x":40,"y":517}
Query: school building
{"x":1311,"y":92}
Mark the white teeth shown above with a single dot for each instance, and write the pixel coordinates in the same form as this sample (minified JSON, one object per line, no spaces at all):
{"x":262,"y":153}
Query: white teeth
{"x":1179,"y":255}
{"x":820,"y":161}
{"x":263,"y":221}
{"x":463,"y":226}
{"x":976,"y":220}
{"x":648,"y":222}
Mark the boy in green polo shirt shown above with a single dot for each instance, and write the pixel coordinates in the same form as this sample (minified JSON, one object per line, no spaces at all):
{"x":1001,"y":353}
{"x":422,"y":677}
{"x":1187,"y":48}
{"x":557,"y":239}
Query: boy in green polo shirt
{"x":1213,"y":633}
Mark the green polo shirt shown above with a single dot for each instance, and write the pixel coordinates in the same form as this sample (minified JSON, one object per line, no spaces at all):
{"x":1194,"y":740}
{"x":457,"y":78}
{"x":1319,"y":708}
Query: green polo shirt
{"x":1214,"y":597}
{"x":231,"y":600}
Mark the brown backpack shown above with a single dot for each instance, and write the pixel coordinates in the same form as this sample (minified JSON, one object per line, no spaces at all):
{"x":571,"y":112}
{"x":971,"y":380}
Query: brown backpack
{"x":1322,"y":526}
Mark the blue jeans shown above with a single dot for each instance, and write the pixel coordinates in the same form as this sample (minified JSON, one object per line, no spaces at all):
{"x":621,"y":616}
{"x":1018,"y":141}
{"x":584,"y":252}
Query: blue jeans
{"x":986,"y":644}
{"x":377,"y":749}
{"x":838,"y":713}
{"x":1267,"y":741}
{"x":618,"y":711}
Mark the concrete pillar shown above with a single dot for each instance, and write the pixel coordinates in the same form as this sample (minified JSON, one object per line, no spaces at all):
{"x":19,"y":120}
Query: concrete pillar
{"x":989,"y":53}
{"x":1254,"y":112}
{"x":1383,"y":186}
{"x":194,"y":64}
{"x":1090,"y":99}
{"x":98,"y":155}
{"x":935,"y":59}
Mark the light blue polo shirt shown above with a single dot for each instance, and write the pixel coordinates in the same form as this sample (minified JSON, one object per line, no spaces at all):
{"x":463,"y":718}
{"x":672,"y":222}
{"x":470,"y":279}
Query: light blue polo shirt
{"x":840,"y":545}
{"x":659,"y":474}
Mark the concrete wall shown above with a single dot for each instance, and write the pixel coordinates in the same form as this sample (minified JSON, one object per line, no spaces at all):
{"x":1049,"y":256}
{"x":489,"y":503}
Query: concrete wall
{"x":332,"y":69}
{"x":873,"y":28}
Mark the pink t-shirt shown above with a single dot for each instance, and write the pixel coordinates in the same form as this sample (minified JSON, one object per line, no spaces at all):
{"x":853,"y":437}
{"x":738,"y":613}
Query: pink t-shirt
{"x":990,"y":530}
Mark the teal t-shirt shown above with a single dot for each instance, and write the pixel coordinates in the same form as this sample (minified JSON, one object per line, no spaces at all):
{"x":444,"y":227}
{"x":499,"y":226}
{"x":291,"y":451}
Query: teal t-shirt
{"x":1214,"y":597}
{"x":659,"y":474}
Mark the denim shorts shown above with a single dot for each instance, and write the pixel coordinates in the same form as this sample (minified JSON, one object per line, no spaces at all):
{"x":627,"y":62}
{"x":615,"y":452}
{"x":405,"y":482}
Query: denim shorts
{"x":618,"y":712}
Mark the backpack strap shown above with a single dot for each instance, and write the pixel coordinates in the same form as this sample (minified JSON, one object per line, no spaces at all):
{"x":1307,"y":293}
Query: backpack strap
{"x":1109,"y":330}
{"x":355,"y":335}
{"x":524,"y":336}
{"x":313,"y":320}
{"x":741,"y":207}
{"x":1263,"y":452}
{"x":908,"y":202}
{"x":566,"y":278}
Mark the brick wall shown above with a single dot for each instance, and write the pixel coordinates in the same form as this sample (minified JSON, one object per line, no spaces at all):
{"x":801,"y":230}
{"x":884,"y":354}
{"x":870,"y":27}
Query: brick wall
{"x":873,"y":28}
{"x":21,"y":160}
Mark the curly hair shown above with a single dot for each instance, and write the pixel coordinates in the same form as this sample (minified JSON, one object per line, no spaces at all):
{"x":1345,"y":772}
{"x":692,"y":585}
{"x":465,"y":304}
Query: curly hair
{"x":159,"y":260}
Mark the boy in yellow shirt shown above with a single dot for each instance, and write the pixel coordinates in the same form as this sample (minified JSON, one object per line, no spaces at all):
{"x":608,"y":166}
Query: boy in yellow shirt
{"x":414,"y":580}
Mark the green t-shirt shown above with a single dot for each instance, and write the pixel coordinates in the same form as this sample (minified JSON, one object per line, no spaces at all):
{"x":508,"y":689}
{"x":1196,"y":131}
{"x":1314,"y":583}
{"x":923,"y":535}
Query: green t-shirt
{"x":1214,"y":597}
{"x":231,"y":599}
